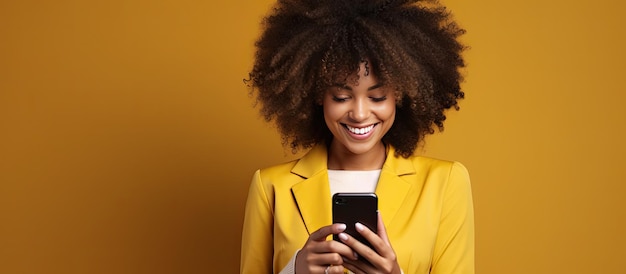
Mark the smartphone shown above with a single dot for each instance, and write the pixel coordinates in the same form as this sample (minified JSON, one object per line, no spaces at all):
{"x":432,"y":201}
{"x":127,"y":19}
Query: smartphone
{"x":350,"y":208}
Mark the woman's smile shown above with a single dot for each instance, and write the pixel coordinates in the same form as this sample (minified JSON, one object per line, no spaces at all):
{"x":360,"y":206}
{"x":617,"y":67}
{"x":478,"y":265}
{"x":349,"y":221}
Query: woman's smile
{"x":360,"y":132}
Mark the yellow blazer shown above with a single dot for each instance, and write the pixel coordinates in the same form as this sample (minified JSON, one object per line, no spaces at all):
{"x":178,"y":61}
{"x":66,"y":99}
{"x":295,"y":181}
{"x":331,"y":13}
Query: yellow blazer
{"x":426,"y":205}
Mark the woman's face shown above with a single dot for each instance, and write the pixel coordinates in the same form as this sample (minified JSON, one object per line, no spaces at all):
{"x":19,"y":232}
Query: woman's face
{"x":359,"y":113}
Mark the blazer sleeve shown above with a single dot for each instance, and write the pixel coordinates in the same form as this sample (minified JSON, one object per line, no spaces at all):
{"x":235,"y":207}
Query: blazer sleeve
{"x":257,"y":240}
{"x":454,"y":247}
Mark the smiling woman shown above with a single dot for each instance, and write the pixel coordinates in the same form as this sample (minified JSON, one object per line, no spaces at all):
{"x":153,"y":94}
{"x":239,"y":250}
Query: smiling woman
{"x":359,"y":83}
{"x":307,"y":47}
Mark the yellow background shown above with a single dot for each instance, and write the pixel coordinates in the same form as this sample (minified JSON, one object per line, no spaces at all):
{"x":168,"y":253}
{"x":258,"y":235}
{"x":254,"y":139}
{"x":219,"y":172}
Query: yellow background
{"x":128,"y":140}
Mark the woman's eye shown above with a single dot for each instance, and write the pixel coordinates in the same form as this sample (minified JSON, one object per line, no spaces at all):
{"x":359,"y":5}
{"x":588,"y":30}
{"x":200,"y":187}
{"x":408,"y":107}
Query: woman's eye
{"x":339,"y":99}
{"x":379,"y":99}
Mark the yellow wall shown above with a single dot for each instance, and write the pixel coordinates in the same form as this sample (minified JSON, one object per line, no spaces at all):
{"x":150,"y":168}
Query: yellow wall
{"x":127,"y":139}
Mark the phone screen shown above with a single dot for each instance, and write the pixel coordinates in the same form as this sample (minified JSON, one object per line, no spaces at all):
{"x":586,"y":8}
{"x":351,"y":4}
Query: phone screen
{"x":350,"y":208}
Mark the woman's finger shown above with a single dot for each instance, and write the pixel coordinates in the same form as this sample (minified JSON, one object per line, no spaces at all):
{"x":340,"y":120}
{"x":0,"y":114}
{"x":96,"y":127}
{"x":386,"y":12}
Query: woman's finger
{"x":382,"y":230}
{"x":360,"y":248}
{"x":324,"y":259}
{"x":334,"y":247}
{"x":322,"y":233}
{"x":357,"y":267}
{"x":380,"y":246}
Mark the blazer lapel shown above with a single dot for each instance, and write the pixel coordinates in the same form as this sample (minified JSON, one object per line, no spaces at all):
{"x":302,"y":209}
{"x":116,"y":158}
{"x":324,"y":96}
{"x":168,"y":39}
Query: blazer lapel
{"x":392,"y":189}
{"x":313,"y":194}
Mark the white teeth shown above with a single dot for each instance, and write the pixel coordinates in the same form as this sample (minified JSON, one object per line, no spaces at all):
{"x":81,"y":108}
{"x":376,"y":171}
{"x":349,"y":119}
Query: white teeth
{"x":360,"y":131}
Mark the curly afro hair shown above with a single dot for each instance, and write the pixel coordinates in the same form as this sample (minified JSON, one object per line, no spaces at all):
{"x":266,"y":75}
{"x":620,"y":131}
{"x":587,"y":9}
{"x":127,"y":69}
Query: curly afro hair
{"x":307,"y":46}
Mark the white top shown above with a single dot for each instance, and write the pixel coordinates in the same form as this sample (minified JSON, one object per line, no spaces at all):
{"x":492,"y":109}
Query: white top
{"x":353,"y":180}
{"x":343,"y":181}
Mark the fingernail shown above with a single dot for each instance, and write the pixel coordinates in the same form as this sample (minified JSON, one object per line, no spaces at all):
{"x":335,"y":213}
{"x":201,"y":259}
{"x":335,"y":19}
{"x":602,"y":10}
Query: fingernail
{"x":343,"y":236}
{"x":356,"y":256}
{"x":341,"y":227}
{"x":359,"y":227}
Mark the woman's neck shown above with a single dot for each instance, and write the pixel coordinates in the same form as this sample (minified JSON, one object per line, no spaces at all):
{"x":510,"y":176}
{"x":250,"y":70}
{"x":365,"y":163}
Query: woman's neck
{"x":340,"y":158}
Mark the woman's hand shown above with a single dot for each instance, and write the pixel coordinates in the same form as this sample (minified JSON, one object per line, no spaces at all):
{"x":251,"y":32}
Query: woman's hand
{"x":321,"y":256}
{"x":383,"y":259}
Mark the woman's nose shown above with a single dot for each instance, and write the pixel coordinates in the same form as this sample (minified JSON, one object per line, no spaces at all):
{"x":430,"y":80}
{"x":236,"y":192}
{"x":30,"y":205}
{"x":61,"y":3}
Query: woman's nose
{"x":360,"y":111}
